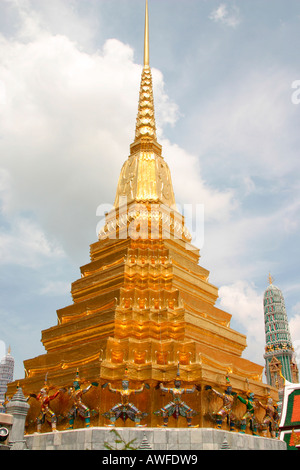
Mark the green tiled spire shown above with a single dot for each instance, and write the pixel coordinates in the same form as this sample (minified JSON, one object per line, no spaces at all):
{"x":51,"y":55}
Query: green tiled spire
{"x":279,"y":350}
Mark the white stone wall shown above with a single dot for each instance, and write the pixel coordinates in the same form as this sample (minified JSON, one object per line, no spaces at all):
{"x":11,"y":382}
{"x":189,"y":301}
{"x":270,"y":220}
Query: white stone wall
{"x":159,"y":439}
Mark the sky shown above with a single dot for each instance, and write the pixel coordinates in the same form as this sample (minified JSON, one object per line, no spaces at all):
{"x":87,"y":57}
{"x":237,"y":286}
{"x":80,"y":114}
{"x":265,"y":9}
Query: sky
{"x":227,"y":99}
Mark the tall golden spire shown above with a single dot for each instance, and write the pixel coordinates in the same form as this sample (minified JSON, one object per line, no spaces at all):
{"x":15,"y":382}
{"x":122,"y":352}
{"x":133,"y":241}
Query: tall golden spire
{"x":145,"y":124}
{"x":145,"y":176}
{"x":146,"y":42}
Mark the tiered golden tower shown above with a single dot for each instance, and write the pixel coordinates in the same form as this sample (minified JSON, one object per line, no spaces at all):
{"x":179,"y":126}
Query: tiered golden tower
{"x":143,"y":303}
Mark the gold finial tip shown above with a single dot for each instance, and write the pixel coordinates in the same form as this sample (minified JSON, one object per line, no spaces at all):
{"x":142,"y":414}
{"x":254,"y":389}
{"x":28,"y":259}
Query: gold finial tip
{"x":270,"y":279}
{"x":146,"y":42}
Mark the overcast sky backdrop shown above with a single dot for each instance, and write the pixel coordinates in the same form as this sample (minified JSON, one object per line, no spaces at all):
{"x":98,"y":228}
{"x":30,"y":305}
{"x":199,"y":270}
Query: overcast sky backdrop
{"x":69,"y":83}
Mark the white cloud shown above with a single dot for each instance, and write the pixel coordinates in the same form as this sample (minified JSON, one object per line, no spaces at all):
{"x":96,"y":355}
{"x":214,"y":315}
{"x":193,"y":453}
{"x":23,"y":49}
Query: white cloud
{"x":166,"y":111}
{"x":218,"y":205}
{"x":25,"y":17}
{"x":22,"y":241}
{"x":29,"y":19}
{"x":242,"y":300}
{"x":227,"y":16}
{"x":248,"y":142}
{"x":68,"y":18}
{"x":66,"y":125}
{"x":5,"y":191}
{"x":25,"y":244}
{"x":245,"y":302}
{"x":239,"y":247}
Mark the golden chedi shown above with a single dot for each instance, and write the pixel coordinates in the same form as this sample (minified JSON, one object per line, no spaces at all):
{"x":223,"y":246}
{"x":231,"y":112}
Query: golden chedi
{"x":143,"y":308}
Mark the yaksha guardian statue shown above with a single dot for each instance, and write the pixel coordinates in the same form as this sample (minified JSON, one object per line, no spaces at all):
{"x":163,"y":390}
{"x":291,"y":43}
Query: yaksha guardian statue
{"x":176,"y":407}
{"x":248,"y":417}
{"x":78,"y":407}
{"x":125,"y":409}
{"x":225,"y":412}
{"x":46,"y":413}
{"x":270,"y":421}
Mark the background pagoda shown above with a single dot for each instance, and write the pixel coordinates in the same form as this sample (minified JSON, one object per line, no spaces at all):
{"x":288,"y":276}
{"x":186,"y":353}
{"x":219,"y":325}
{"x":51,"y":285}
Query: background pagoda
{"x":143,"y":304}
{"x":279,"y":351}
{"x":7,"y":365}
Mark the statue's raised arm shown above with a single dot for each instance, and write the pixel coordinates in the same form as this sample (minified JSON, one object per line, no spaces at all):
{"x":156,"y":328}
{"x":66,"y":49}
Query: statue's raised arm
{"x":163,"y":388}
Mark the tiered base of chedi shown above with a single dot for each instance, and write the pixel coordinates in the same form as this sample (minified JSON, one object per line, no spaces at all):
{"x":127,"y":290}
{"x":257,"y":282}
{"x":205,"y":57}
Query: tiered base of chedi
{"x":143,"y":343}
{"x":142,"y":308}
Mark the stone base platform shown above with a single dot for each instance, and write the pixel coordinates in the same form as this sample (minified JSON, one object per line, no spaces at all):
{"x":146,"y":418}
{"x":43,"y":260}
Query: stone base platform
{"x":156,"y":439}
